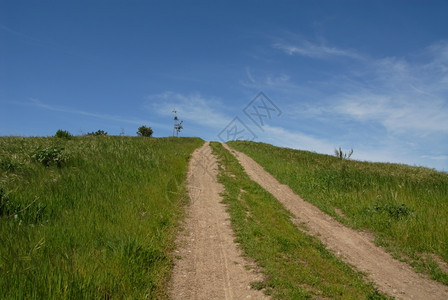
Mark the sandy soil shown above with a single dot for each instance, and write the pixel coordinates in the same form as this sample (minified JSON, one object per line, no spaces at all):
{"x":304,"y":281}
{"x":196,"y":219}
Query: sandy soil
{"x":356,"y":248}
{"x":210,"y":265}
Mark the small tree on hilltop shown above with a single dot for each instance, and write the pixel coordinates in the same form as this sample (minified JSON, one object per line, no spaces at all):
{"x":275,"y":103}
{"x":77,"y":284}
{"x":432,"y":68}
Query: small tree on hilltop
{"x":177,"y":124}
{"x":145,"y":131}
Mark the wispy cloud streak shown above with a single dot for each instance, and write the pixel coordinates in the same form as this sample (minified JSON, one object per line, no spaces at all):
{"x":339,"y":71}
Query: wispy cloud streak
{"x":400,"y":95}
{"x":308,"y":49}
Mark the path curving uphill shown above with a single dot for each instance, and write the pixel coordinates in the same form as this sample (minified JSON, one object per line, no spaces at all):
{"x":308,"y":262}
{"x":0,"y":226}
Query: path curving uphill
{"x":356,"y":248}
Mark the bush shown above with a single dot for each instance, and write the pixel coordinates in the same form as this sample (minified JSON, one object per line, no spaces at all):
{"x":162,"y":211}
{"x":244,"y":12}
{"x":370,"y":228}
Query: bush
{"x":63,"y":134}
{"x":145,"y":131}
{"x":97,"y":133}
{"x":50,"y":155}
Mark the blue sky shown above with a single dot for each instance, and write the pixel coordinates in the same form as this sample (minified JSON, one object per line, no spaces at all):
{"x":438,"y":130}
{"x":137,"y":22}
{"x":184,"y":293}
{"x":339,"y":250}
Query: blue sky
{"x":367,"y":75}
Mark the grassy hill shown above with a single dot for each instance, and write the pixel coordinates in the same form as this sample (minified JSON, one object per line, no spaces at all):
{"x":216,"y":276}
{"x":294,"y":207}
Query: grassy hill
{"x":96,"y":216}
{"x":90,"y":217}
{"x":406,"y":208}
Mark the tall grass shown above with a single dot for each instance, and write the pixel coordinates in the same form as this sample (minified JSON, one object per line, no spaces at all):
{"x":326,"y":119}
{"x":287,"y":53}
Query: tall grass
{"x":405,"y":207}
{"x":100,"y":224}
{"x":296,"y":265}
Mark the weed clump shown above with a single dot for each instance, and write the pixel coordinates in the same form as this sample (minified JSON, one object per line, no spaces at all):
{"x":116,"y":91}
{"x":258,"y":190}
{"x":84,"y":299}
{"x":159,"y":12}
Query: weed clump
{"x":343,"y":155}
{"x":50,"y":156}
{"x":8,"y":165}
{"x":394,"y":210}
{"x":3,"y":203}
{"x":30,"y":214}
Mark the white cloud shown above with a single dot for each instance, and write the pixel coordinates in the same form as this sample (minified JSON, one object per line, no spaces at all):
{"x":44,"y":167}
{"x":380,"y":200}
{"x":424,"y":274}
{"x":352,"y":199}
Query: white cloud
{"x":282,"y":137}
{"x":402,"y":95}
{"x":439,"y":54}
{"x":193,"y":107}
{"x":308,"y":49}
{"x":250,"y":76}
{"x":406,"y":113}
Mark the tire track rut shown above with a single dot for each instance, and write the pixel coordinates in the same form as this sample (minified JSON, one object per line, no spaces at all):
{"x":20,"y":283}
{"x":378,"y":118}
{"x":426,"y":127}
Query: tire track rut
{"x":211,"y":265}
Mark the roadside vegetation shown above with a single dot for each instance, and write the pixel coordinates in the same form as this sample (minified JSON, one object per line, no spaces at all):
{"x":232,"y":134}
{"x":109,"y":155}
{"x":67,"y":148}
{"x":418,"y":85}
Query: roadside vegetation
{"x":295,"y":265}
{"x":91,"y":217}
{"x":405,"y":207}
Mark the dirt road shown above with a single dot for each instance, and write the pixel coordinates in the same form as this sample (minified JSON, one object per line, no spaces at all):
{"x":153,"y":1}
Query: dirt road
{"x":356,"y":248}
{"x":209,"y":264}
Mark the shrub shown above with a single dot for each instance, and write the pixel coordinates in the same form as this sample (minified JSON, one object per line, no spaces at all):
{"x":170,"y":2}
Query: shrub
{"x":145,"y":131}
{"x":50,"y":156}
{"x":63,"y":134}
{"x":98,"y":132}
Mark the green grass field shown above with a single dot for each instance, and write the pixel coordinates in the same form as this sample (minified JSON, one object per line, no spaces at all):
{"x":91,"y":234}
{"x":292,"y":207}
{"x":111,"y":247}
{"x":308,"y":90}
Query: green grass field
{"x":90,"y":217}
{"x":296,"y":266}
{"x":96,"y":216}
{"x":406,"y":208}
